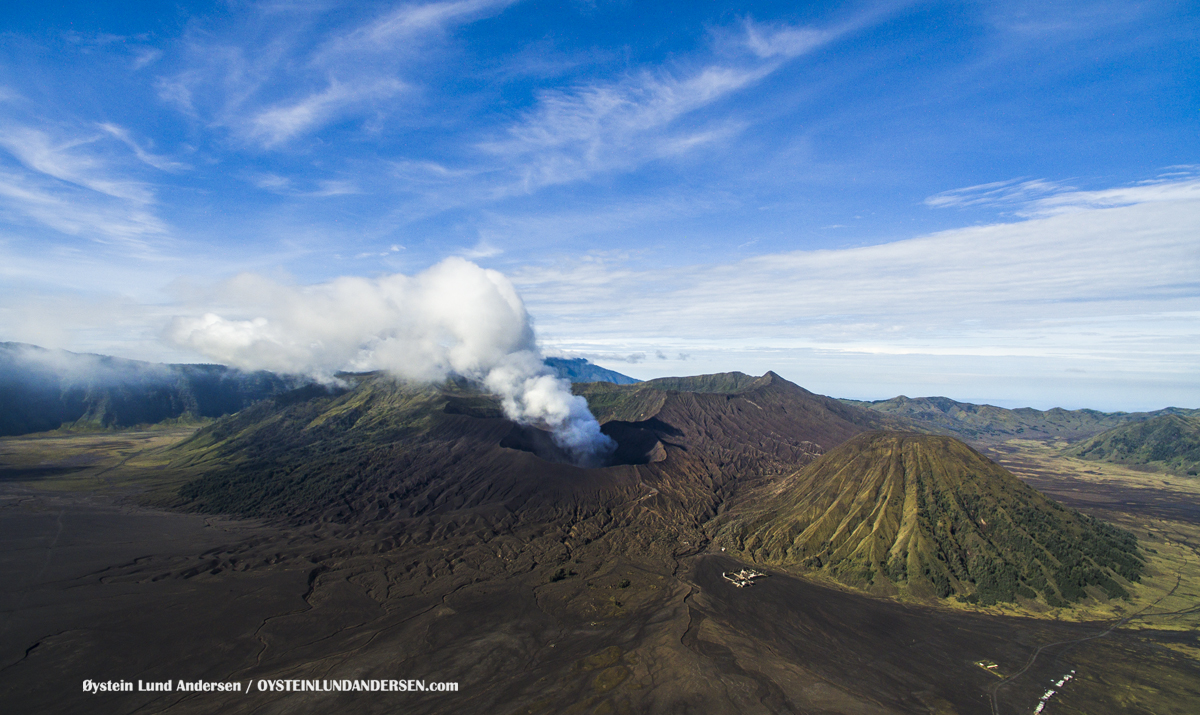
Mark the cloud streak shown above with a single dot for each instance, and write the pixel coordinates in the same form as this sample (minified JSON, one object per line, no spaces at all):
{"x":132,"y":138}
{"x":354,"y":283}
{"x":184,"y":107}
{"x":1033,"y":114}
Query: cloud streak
{"x":1038,"y":197}
{"x":574,"y":134}
{"x":280,"y":123}
{"x":294,"y":80}
{"x":1089,"y":281}
{"x":74,"y":187}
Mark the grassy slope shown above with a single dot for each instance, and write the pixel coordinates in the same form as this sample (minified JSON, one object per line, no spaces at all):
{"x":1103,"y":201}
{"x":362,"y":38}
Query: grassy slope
{"x":971,"y":421}
{"x":1170,"y":442}
{"x":928,"y":516}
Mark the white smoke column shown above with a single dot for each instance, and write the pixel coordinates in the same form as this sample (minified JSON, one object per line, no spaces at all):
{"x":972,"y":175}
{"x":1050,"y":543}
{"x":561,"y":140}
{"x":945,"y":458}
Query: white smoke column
{"x":454,"y":318}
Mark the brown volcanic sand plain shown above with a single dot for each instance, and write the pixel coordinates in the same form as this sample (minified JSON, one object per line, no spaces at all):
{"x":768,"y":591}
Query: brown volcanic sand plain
{"x":98,"y":588}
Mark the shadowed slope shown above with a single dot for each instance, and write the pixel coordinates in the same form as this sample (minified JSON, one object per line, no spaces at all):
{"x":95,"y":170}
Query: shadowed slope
{"x":927,"y":515}
{"x":758,"y":426}
{"x":381,"y":451}
{"x":43,"y":390}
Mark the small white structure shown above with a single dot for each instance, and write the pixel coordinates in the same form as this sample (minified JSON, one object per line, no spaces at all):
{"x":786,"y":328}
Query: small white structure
{"x":742,"y":578}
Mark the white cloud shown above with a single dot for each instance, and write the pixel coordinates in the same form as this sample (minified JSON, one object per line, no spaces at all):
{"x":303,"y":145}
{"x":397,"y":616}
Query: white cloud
{"x":1115,"y":284}
{"x":146,"y":56}
{"x":574,"y":134}
{"x":157,"y":161}
{"x":67,"y":161}
{"x":280,"y":123}
{"x":404,"y":23}
{"x":71,"y":186}
{"x":78,"y":213}
{"x":1146,"y":193}
{"x":1039,"y":197}
{"x":768,"y":41}
{"x":996,"y":193}
{"x":482,"y":249}
{"x":290,"y":76}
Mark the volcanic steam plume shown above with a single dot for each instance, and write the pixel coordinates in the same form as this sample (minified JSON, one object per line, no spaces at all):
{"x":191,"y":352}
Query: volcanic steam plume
{"x":454,"y":318}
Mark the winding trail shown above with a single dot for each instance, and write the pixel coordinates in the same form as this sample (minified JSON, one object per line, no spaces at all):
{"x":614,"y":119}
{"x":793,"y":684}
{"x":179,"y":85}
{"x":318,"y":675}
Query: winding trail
{"x":995,"y":689}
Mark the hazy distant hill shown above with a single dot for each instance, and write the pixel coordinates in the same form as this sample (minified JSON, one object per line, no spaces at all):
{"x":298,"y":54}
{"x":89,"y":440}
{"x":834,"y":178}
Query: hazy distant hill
{"x":47,"y":389}
{"x":580,"y":370}
{"x":929,"y":516}
{"x":987,"y":421}
{"x":1169,"y":441}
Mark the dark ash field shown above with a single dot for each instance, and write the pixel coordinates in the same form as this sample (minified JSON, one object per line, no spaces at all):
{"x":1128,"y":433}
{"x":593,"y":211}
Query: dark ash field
{"x":614,"y":603}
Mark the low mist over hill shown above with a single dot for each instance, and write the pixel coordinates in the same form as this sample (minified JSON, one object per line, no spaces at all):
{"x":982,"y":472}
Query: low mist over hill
{"x":929,"y":516}
{"x":48,"y":389}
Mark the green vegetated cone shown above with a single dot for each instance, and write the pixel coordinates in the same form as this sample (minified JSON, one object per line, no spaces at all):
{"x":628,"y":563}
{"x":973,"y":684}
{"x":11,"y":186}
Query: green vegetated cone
{"x":929,"y":516}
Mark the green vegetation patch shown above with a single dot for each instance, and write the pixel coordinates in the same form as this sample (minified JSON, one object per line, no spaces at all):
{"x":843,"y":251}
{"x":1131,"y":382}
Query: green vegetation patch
{"x":1170,"y":442}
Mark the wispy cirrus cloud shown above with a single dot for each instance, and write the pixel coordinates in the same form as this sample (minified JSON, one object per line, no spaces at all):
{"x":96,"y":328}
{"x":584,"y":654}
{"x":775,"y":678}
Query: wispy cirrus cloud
{"x":69,"y":161}
{"x":1038,"y":197}
{"x":280,"y":123}
{"x":75,"y":185}
{"x":787,"y":41}
{"x":79,"y":213}
{"x":576,"y":134}
{"x":573,"y":134}
{"x":158,"y":161}
{"x":305,"y":70}
{"x":997,"y":193}
{"x":404,"y":24}
{"x":320,"y":189}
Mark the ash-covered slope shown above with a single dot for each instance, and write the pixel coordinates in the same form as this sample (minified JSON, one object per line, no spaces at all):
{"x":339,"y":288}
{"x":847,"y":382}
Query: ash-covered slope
{"x":43,"y":390}
{"x":929,"y":516}
{"x":1170,"y":442}
{"x":387,"y":450}
{"x":971,"y":421}
{"x":751,"y":426}
{"x":380,"y":451}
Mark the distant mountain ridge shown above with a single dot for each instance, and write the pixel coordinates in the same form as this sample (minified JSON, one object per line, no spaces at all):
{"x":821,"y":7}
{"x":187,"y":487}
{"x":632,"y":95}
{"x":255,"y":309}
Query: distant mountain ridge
{"x":972,"y":421}
{"x":582,"y":370}
{"x":43,"y":390}
{"x":1169,"y":441}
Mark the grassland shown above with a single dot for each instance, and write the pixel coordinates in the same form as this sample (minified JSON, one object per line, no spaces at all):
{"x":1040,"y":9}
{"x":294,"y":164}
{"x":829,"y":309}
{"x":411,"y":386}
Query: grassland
{"x":1161,"y":509}
{"x":104,"y":461}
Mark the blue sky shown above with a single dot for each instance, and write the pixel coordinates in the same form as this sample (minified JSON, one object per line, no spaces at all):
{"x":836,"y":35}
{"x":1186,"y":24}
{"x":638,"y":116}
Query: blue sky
{"x":994,"y":201}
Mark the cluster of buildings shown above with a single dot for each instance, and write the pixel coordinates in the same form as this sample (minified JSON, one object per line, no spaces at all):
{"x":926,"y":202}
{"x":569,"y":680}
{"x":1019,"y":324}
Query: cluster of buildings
{"x":1050,"y":693}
